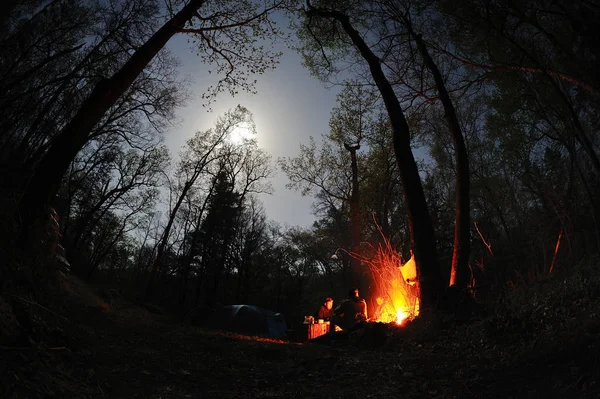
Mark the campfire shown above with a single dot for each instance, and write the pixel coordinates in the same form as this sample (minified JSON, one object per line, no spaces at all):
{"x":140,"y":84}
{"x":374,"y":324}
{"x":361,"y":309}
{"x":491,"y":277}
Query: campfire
{"x":394,"y":288}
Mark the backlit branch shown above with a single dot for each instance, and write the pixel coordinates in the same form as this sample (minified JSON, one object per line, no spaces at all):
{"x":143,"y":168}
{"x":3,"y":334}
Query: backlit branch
{"x":521,"y":68}
{"x":238,"y":24}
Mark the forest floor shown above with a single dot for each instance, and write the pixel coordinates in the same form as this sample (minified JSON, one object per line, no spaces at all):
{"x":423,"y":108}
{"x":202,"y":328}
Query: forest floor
{"x":91,"y":348}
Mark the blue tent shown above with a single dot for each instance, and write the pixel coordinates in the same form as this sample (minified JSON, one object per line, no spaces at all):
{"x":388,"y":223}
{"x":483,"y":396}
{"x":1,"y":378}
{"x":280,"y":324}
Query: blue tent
{"x":249,"y":320}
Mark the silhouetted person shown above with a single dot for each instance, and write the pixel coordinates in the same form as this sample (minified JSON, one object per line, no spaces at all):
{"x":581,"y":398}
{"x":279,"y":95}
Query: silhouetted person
{"x":352,"y":311}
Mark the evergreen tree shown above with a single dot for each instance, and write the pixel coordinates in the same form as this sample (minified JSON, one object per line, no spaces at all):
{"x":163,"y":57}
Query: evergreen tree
{"x":216,"y":235}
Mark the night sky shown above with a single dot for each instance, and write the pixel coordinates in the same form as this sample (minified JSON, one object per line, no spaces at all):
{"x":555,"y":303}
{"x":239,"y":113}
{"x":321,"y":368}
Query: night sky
{"x":290,"y":106}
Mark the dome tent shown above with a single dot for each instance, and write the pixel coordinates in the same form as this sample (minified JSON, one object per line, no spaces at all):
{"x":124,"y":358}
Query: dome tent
{"x":249,"y":320}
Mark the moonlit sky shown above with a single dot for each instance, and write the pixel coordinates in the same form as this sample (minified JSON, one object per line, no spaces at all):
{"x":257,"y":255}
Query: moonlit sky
{"x":290,"y":106}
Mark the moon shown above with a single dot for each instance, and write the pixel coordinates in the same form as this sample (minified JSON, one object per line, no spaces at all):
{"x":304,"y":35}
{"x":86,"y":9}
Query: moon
{"x":240,"y":133}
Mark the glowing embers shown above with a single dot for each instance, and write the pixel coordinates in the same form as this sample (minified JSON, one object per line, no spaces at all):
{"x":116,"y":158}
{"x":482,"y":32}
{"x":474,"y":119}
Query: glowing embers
{"x":386,"y":313}
{"x":401,"y":316}
{"x":397,"y":310}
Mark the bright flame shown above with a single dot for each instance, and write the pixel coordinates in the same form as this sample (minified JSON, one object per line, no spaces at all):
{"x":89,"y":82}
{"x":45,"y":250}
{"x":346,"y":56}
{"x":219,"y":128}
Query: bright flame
{"x":397,"y":300}
{"x":395,"y":284}
{"x":402,"y":315}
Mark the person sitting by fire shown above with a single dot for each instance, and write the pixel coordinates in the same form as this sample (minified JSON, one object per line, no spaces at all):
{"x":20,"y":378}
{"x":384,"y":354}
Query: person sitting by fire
{"x":326,"y":310}
{"x":352,"y":311}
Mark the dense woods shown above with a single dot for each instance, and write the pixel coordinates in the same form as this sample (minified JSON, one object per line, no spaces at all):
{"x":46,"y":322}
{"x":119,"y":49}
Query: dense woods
{"x":464,"y":137}
{"x":465,"y":131}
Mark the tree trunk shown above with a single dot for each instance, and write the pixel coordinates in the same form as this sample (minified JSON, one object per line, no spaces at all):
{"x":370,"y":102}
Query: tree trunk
{"x":162,"y":244}
{"x":459,"y":272}
{"x":357,"y":272}
{"x":419,"y":220}
{"x":48,"y":174}
{"x":189,"y":257}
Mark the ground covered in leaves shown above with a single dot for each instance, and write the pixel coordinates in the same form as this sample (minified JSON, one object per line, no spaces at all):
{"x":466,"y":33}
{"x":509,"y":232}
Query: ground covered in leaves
{"x":100,"y":346}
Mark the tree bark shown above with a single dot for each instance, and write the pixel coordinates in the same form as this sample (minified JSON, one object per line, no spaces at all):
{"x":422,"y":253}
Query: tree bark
{"x":357,"y":271}
{"x":189,"y":257}
{"x":162,"y":244}
{"x":419,"y":220}
{"x":459,"y":272}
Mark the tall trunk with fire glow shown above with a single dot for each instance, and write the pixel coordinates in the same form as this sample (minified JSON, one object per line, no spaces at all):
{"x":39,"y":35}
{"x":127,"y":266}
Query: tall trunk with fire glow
{"x":459,"y":272}
{"x":419,"y":220}
{"x":357,"y":272}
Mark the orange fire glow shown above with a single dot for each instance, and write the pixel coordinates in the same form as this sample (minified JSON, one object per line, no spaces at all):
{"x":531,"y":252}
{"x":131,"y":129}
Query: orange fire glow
{"x":397,"y":300}
{"x":402,"y":315}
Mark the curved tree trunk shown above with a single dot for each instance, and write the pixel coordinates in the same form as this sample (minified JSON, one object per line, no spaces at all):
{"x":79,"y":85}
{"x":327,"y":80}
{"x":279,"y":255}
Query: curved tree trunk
{"x":419,"y":220}
{"x":459,"y":272}
{"x":44,"y":183}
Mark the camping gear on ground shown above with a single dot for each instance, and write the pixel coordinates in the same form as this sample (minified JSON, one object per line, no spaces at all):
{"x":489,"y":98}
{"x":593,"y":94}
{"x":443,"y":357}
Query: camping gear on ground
{"x":312,"y":331}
